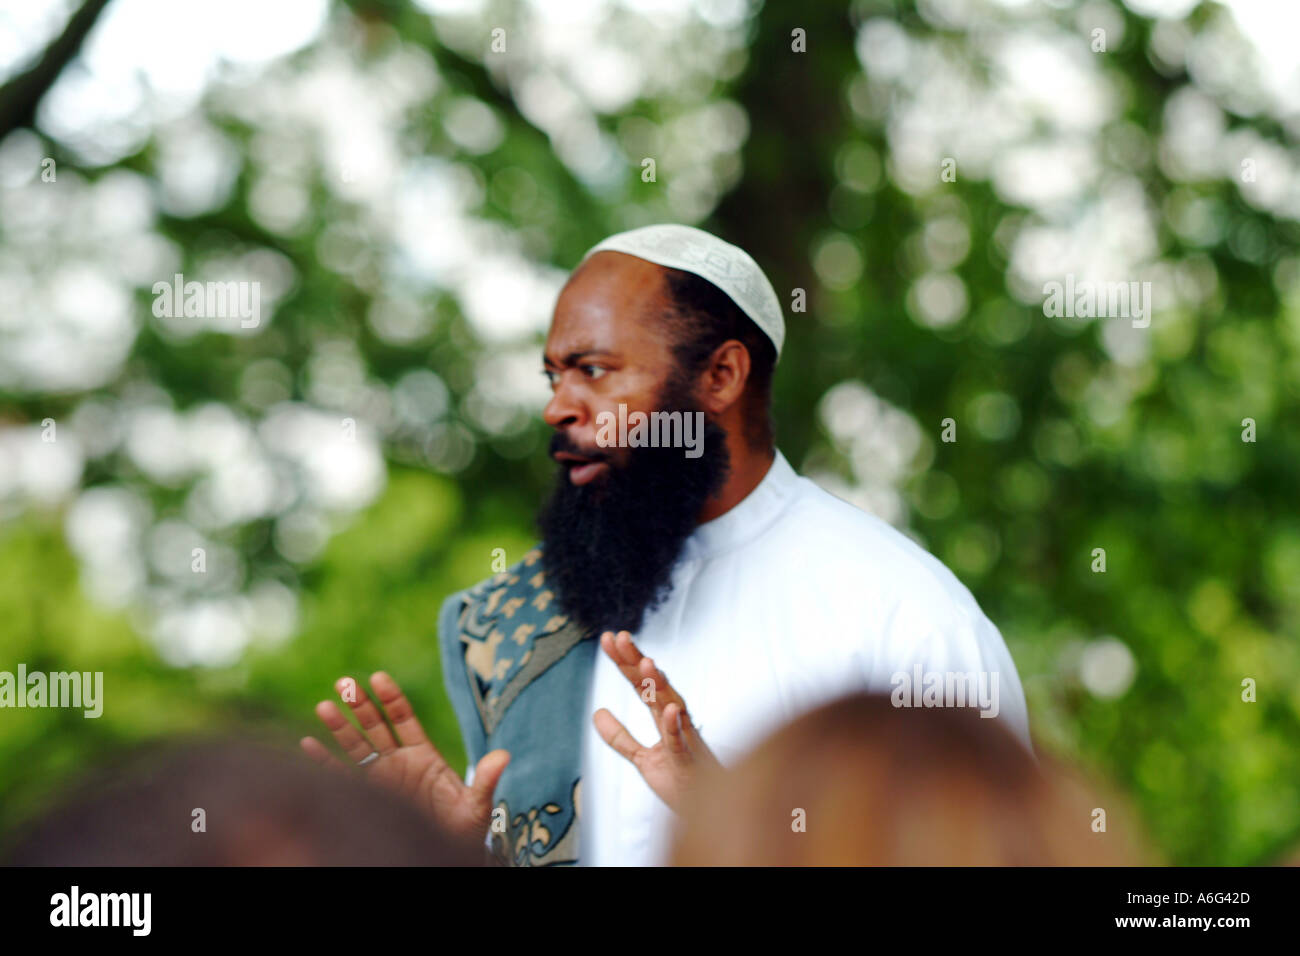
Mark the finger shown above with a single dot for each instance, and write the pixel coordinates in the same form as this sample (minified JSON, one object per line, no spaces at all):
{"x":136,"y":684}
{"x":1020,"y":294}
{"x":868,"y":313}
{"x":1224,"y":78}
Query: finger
{"x":608,"y":645}
{"x":486,"y":774}
{"x":627,"y":651}
{"x":318,"y":752}
{"x":664,"y":693}
{"x":615,"y":734}
{"x":348,"y":737}
{"x":620,"y":649}
{"x":694,"y":742}
{"x":399,"y":710}
{"x":670,"y":729}
{"x":367,"y":714}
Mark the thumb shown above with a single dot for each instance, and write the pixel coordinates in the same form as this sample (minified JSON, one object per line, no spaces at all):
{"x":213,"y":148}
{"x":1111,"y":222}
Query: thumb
{"x":487,"y":772}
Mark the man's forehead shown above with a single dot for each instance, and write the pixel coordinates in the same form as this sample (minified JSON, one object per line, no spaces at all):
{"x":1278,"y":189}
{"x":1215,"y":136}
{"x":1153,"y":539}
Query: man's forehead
{"x":615,"y":274}
{"x":605,"y":299}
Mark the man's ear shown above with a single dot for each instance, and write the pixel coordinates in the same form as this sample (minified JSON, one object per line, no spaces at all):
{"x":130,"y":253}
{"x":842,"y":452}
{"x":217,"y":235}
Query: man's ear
{"x":724,"y":377}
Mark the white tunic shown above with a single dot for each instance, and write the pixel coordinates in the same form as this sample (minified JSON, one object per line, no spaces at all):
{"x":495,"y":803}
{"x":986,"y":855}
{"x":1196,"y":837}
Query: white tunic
{"x":790,"y":599}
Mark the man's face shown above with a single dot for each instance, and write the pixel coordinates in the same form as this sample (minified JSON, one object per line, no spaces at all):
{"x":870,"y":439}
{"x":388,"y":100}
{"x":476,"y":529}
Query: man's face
{"x":618,"y":517}
{"x":604,"y":349}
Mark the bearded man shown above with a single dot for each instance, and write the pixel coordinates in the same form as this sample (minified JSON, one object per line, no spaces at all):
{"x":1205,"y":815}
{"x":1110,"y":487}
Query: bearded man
{"x":709,"y":558}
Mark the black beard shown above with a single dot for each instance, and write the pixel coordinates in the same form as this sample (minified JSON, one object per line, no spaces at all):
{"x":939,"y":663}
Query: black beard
{"x":609,"y":546}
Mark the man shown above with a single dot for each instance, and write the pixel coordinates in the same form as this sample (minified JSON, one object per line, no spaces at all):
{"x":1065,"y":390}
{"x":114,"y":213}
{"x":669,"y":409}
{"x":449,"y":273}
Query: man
{"x":691,"y":547}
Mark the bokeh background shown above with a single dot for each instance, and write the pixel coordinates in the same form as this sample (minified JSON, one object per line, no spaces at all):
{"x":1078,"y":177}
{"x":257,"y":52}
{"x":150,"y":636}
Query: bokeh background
{"x":410,"y":189}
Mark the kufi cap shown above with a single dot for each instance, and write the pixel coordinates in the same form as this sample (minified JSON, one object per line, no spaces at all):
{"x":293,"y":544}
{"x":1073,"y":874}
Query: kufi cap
{"x":728,"y":267}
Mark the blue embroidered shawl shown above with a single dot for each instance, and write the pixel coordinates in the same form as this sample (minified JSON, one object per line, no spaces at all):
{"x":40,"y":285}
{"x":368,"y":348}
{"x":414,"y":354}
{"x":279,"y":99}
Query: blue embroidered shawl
{"x":517,"y":671}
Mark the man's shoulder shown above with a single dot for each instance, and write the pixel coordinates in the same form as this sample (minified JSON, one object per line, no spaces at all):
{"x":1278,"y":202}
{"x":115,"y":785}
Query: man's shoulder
{"x":824,"y":532}
{"x":914,"y":604}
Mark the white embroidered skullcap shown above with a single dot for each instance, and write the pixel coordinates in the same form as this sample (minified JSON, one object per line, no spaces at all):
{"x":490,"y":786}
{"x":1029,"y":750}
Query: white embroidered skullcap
{"x":728,"y":267}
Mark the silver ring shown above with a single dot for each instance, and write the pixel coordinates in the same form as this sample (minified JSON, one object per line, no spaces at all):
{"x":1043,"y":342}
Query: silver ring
{"x":368,"y":758}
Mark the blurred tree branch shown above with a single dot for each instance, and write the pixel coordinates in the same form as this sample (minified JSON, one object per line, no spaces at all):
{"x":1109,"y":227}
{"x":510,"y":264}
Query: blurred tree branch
{"x":586,"y":223}
{"x":798,"y":122}
{"x":21,"y":95}
{"x":418,"y":27}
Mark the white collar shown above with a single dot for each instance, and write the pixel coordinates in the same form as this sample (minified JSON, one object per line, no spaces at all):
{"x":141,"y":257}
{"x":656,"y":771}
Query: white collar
{"x":747,"y":518}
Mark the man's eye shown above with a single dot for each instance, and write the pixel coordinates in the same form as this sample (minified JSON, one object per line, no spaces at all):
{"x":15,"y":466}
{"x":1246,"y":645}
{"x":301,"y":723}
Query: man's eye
{"x":593,"y":371}
{"x":551,"y":376}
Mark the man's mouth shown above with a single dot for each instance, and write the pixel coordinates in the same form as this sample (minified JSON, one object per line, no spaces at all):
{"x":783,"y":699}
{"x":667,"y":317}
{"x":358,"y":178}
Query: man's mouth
{"x":581,"y":470}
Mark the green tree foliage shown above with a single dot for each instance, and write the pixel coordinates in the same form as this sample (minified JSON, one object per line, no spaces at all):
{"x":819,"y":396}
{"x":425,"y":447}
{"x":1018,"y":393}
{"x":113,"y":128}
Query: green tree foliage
{"x":1072,"y":435}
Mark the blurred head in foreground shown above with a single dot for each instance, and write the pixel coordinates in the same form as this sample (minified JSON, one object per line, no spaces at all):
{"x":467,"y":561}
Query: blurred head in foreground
{"x":861,"y":782}
{"x":259,"y":807}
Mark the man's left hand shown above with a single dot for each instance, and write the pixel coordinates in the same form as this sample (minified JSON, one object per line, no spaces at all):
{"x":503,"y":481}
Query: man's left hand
{"x":670,"y":767}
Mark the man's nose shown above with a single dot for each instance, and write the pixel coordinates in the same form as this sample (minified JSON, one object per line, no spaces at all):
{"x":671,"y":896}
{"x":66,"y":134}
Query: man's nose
{"x":564,"y":409}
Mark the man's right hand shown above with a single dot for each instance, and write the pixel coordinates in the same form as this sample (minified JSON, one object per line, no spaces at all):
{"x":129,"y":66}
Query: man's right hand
{"x":409,"y":764}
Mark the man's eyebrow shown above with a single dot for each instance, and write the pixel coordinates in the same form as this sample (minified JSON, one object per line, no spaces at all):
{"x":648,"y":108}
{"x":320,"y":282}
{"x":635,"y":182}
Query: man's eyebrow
{"x":573,"y":357}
